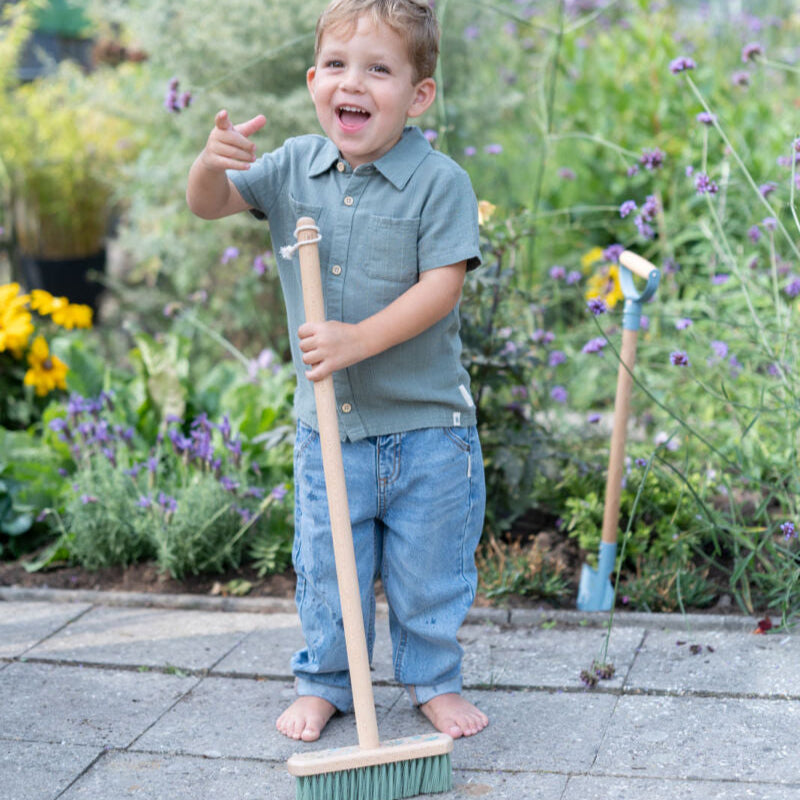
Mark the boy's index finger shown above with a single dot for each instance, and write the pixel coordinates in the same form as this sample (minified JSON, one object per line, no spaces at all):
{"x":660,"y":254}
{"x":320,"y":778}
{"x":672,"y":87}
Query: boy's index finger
{"x":221,"y":121}
{"x":251,"y":126}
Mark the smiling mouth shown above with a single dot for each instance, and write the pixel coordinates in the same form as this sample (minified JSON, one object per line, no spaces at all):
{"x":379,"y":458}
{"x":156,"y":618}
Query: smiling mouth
{"x":352,"y":117}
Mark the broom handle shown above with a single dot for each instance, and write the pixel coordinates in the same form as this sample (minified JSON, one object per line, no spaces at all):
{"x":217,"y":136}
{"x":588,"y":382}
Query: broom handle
{"x":336,"y":489}
{"x":616,"y":459}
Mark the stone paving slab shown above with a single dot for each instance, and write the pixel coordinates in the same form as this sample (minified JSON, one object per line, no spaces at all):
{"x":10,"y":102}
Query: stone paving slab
{"x":155,"y":637}
{"x":22,"y":625}
{"x":156,"y":777}
{"x":49,"y":703}
{"x":236,"y":718}
{"x":40,"y":770}
{"x":590,"y":788}
{"x":737,"y":663}
{"x":703,"y":738}
{"x":532,"y":731}
{"x":536,"y":656}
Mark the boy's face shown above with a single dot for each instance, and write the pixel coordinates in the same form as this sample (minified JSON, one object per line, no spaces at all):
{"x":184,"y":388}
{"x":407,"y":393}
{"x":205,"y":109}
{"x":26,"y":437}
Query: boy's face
{"x":363,"y":92}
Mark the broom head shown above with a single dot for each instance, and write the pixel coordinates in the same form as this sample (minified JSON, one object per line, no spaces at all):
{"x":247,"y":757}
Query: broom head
{"x":395,"y":769}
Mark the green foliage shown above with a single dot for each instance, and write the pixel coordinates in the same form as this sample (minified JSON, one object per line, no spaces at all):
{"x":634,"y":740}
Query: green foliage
{"x":28,"y":479}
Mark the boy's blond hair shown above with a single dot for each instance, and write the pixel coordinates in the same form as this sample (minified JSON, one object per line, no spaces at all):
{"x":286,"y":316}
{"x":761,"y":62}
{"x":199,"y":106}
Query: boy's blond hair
{"x":413,"y":20}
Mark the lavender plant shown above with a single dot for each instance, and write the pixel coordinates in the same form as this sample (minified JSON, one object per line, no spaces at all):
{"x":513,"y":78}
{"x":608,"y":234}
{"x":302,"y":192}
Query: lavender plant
{"x":191,"y":500}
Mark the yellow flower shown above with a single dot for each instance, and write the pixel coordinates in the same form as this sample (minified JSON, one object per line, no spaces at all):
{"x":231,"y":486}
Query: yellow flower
{"x":16,"y":325}
{"x":44,"y":302}
{"x":485,"y":211}
{"x":591,"y":257}
{"x":73,"y":315}
{"x":605,"y":284}
{"x":47,"y":372}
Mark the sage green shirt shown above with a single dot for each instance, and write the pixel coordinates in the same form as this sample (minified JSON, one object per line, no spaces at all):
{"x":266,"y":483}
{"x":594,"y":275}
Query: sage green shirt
{"x":382,"y":224}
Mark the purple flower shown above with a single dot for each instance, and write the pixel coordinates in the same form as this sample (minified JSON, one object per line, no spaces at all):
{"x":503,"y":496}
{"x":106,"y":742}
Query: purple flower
{"x":645,"y":231}
{"x":228,"y":484}
{"x":719,"y":280}
{"x":558,"y":273}
{"x":770,"y":223}
{"x":469,"y":151}
{"x":229,"y":254}
{"x":650,"y":208}
{"x":720,"y":349}
{"x":754,"y":234}
{"x":431,"y":135}
{"x":88,"y":498}
{"x":705,"y":118}
{"x":259,"y":265}
{"x":613,"y":252}
{"x":565,"y":173}
{"x":704,"y":185}
{"x":559,"y":394}
{"x":167,"y":502}
{"x":796,"y":145}
{"x":144,"y":501}
{"x":751,"y":50}
{"x":641,"y":462}
{"x":540,"y":335}
{"x":632,"y":170}
{"x":793,"y":288}
{"x":678,"y":358}
{"x":556,"y":357}
{"x":597,"y":306}
{"x":683,"y":323}
{"x":595,"y":345}
{"x":471,"y":32}
{"x":652,"y":159}
{"x":278,"y":493}
{"x":493,"y":149}
{"x":767,"y":188}
{"x":573,"y":276}
{"x":628,"y":207}
{"x":788,"y":530}
{"x":681,"y":64}
{"x":594,"y":418}
{"x":740,"y":78}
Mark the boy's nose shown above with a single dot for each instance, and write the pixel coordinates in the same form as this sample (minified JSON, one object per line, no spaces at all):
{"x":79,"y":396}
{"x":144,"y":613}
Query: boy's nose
{"x":351,"y":81}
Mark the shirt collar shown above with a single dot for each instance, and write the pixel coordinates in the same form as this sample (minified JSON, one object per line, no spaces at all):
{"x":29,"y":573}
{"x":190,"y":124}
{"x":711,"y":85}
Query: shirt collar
{"x":397,"y":166}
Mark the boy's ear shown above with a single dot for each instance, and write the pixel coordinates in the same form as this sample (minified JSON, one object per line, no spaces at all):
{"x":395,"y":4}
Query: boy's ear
{"x":425,"y":94}
{"x":310,"y":73}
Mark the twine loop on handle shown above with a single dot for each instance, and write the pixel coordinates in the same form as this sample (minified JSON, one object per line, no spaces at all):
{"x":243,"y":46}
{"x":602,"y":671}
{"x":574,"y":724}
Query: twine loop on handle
{"x":290,"y":249}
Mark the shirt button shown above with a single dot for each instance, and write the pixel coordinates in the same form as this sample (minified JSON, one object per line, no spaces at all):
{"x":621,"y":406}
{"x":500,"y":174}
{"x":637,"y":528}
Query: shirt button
{"x":348,"y":201}
{"x":336,"y":269}
{"x":340,"y":166}
{"x":346,"y":408}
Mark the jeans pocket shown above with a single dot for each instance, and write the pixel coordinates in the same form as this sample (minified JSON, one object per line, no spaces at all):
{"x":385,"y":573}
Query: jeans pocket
{"x":460,"y":437}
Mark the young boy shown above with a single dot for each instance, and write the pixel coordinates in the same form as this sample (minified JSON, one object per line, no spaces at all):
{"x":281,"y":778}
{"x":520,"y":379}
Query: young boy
{"x":398,"y":226}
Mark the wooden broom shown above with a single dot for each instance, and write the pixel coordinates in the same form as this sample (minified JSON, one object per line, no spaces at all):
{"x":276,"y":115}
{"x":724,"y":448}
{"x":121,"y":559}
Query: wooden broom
{"x":372,"y":769}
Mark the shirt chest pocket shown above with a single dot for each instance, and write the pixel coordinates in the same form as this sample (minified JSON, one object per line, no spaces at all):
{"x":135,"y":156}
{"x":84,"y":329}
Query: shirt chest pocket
{"x":390,"y":247}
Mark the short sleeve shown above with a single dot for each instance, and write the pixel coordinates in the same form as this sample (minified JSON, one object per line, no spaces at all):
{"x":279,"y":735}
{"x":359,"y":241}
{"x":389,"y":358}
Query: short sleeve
{"x":261,"y":185}
{"x":449,"y":230}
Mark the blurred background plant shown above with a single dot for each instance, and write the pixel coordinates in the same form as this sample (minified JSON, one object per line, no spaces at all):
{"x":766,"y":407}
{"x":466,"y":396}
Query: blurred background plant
{"x":30,"y":371}
{"x":585,"y":127}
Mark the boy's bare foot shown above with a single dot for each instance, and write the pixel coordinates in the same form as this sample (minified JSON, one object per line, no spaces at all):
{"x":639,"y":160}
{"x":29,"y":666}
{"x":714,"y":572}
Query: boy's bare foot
{"x":305,"y":718}
{"x":451,"y":713}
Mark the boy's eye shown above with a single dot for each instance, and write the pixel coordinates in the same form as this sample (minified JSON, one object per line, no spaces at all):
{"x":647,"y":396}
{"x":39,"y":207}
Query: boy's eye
{"x":381,"y":68}
{"x":334,"y":63}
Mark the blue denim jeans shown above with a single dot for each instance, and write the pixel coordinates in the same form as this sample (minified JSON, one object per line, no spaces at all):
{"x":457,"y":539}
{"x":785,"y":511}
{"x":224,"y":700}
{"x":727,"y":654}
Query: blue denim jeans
{"x":417,"y":502}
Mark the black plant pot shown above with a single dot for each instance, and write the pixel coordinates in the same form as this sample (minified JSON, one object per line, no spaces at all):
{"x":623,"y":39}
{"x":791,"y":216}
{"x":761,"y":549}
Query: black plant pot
{"x":73,"y":278}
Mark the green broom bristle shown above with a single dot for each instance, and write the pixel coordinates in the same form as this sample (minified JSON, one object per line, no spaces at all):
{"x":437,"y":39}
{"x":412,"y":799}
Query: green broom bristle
{"x":391,"y":781}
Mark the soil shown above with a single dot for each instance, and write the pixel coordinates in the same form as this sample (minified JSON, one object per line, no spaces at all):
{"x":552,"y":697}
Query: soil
{"x":145,"y":577}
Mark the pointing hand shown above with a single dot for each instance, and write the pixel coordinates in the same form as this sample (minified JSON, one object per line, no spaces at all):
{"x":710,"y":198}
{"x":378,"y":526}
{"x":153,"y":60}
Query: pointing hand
{"x":229,"y":145}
